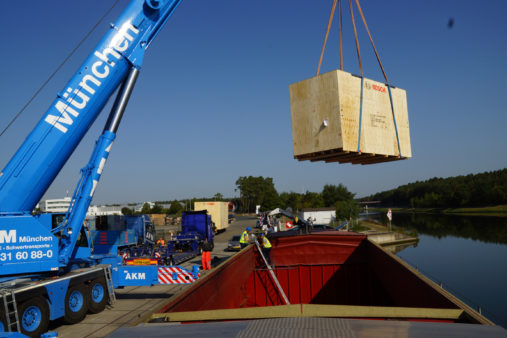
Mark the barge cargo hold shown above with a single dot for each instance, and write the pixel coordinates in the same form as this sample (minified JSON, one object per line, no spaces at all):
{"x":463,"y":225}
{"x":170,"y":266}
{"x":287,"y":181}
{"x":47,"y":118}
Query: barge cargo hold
{"x":339,"y":276}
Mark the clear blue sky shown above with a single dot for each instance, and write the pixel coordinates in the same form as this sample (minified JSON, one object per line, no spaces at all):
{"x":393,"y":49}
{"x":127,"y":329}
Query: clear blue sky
{"x":212,"y":101}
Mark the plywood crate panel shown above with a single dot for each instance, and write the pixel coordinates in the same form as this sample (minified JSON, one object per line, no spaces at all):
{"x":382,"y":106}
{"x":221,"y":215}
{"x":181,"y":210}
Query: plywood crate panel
{"x":325,"y":120}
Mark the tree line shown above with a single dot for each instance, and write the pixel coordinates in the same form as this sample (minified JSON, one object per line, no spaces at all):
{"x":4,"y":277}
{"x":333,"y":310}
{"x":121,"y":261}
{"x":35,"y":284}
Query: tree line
{"x":474,"y":190}
{"x":175,"y":209}
{"x":261,"y":191}
{"x":176,"y":206}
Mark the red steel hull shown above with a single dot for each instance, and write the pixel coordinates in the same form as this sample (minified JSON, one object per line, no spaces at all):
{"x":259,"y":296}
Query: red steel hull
{"x":326,"y":268}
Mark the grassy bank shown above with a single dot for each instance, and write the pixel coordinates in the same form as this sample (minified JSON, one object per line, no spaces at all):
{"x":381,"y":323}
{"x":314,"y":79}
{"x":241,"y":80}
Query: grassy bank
{"x":498,"y":211}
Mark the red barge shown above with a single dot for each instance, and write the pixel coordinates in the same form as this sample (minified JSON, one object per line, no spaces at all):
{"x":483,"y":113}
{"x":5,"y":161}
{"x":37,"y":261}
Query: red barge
{"x":326,"y":274}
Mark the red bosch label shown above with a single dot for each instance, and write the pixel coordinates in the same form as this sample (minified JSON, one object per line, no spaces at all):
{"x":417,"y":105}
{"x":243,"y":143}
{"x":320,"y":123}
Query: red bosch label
{"x":378,"y":88}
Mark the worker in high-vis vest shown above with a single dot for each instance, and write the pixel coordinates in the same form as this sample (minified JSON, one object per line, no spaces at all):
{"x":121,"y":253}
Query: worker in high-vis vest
{"x":266,"y":247}
{"x":245,"y":237}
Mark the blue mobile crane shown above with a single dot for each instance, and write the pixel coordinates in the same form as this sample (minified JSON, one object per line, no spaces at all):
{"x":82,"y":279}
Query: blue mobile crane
{"x":48,"y":269}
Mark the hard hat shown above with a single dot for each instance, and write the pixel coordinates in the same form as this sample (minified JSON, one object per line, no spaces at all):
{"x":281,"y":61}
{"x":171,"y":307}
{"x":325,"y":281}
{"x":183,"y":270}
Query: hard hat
{"x":248,"y":229}
{"x":296,"y":219}
{"x":261,"y":234}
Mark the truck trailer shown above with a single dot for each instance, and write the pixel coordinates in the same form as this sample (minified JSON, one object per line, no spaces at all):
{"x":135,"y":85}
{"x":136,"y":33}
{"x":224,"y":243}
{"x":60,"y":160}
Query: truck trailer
{"x":219,"y":212}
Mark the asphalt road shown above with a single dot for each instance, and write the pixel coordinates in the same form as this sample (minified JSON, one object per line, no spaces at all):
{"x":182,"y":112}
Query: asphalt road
{"x":133,"y":304}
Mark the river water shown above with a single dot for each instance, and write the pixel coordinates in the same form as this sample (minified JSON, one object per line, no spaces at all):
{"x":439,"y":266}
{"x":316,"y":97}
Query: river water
{"x":468,"y":254}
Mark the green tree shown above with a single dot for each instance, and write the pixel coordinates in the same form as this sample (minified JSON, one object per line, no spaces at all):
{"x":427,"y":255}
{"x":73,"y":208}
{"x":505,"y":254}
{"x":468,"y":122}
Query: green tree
{"x":157,"y":209}
{"x":127,"y":211}
{"x":477,"y":190}
{"x":218,"y":197}
{"x":175,"y":208}
{"x":347,"y":210}
{"x":312,"y":200}
{"x":332,"y":194}
{"x":146,"y":209}
{"x":291,"y":200}
{"x":257,"y":191}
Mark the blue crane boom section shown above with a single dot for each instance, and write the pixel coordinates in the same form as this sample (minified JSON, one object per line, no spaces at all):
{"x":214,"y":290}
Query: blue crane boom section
{"x":31,"y":244}
{"x":47,"y":148}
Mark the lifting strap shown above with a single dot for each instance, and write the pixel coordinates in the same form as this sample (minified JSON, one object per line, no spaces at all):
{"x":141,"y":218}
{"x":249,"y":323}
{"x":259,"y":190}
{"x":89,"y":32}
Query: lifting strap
{"x":327,"y":34}
{"x":394,"y":119}
{"x":355,"y":36}
{"x":385,"y":77}
{"x":333,"y":8}
{"x":56,"y":70}
{"x":371,"y":40}
{"x":340,"y":30}
{"x":360,"y":117}
{"x":362,"y":78}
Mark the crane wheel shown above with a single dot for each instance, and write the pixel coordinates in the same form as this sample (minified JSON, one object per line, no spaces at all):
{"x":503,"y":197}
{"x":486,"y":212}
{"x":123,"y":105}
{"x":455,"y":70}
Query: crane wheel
{"x":34,"y":316}
{"x":3,"y":325}
{"x":97,"y":295}
{"x":76,"y":303}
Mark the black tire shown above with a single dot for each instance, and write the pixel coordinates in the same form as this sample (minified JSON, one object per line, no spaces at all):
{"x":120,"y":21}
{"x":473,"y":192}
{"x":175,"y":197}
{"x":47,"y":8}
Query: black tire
{"x":98,"y":296}
{"x":76,"y":303}
{"x":34,"y":316}
{"x":3,"y":324}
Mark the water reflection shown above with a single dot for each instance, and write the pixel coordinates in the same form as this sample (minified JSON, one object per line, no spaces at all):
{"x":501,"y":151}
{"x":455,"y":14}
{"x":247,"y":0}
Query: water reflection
{"x":486,"y":229}
{"x":394,"y":249}
{"x":466,"y":253}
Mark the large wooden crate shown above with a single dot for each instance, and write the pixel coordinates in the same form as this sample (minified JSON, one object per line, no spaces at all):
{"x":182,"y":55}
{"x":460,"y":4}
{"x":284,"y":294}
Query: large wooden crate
{"x":325,"y":120}
{"x":219,"y":212}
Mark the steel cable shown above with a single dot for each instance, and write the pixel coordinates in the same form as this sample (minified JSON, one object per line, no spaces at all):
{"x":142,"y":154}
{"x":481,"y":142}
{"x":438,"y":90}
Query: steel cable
{"x":58,"y":68}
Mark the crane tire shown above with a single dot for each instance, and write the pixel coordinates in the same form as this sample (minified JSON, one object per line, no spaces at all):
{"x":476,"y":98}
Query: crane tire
{"x":3,"y":324}
{"x":76,"y":303}
{"x":34,"y":316}
{"x":97,"y":295}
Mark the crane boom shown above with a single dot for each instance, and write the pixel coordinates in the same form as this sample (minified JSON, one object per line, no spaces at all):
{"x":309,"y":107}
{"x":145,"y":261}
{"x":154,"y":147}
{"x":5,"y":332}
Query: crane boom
{"x":47,"y":148}
{"x":31,"y":244}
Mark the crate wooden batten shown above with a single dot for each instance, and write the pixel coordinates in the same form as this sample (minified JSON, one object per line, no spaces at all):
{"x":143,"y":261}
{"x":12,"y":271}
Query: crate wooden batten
{"x":325,"y":120}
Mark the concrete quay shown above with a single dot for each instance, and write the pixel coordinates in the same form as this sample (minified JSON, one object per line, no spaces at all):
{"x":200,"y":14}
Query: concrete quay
{"x":388,"y":238}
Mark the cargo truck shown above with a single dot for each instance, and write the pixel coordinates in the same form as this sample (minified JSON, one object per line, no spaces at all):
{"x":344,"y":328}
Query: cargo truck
{"x":197,"y":224}
{"x":121,"y":231}
{"x":196,"y":227}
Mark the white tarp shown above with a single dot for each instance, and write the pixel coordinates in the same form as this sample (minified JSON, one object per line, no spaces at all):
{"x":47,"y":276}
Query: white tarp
{"x":279,"y":211}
